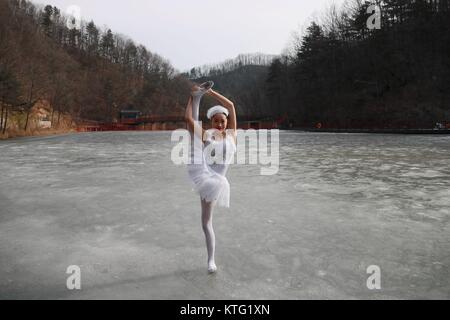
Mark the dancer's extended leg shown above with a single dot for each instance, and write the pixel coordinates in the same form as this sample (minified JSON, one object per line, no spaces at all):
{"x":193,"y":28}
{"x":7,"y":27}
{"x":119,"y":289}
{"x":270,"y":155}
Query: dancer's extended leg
{"x":197,"y":97}
{"x":207,"y":223}
{"x":207,"y":207}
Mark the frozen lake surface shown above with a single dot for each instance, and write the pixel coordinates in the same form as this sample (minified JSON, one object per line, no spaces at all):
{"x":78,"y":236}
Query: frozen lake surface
{"x":116,"y":206}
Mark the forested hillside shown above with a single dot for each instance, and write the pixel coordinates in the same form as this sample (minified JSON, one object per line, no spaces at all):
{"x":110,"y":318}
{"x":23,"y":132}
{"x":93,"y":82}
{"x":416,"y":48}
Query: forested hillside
{"x":88,"y":72}
{"x":344,"y":75}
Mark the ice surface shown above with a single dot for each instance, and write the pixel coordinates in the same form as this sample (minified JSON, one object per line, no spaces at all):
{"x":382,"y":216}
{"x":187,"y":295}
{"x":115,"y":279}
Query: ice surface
{"x":115,"y":205}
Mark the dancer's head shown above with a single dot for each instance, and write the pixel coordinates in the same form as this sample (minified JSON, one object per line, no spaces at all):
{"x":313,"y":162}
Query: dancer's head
{"x":219,"y":118}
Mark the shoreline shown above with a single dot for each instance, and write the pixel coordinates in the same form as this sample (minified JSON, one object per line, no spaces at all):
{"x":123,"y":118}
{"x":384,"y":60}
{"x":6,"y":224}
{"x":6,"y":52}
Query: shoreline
{"x":62,"y":132}
{"x":377,"y":131}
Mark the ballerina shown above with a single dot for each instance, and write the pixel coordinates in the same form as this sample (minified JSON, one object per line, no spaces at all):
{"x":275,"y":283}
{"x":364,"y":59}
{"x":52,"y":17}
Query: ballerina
{"x":209,"y":179}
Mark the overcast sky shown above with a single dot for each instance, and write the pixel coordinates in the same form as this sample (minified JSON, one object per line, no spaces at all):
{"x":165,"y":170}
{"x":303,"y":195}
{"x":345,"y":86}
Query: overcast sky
{"x":194,"y":33}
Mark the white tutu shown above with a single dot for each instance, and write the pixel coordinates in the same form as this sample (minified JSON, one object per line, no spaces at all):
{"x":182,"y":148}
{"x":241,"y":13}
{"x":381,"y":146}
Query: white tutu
{"x":209,"y":181}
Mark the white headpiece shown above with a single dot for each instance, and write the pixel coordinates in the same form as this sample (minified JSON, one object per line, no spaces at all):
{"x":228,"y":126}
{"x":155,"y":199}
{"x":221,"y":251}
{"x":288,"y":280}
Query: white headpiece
{"x":215,"y":110}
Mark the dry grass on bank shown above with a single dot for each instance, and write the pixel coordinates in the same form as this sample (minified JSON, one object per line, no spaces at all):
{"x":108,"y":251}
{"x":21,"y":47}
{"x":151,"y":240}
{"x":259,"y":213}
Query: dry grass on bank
{"x":35,"y":132}
{"x":16,"y":123}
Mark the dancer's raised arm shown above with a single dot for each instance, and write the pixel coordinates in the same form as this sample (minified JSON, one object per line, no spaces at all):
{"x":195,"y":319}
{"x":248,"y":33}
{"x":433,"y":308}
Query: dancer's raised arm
{"x":230,"y":106}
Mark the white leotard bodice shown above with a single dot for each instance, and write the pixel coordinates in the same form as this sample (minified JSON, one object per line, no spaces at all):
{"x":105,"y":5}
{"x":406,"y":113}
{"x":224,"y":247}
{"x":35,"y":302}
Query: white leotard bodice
{"x":226,"y":148}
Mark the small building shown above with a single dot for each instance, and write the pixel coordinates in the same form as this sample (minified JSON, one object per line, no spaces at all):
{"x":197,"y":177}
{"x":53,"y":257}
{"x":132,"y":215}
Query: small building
{"x":129,"y":116}
{"x":41,"y":113}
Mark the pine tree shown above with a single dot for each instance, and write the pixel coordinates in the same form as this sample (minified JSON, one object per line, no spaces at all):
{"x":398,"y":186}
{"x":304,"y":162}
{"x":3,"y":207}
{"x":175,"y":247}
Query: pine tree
{"x":107,"y":44}
{"x":47,"y":22}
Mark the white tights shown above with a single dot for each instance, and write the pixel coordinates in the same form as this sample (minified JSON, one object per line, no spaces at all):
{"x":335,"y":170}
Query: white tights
{"x":207,"y":223}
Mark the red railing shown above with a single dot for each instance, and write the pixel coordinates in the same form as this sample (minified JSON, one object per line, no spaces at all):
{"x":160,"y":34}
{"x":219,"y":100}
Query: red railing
{"x":154,"y":123}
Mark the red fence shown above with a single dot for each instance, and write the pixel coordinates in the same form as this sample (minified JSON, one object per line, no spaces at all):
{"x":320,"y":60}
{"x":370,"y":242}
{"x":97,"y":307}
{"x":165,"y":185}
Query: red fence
{"x":155,"y":123}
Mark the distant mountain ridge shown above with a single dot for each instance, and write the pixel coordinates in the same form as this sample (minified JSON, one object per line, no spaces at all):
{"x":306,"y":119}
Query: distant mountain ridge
{"x":242,"y":60}
{"x":245,"y":86}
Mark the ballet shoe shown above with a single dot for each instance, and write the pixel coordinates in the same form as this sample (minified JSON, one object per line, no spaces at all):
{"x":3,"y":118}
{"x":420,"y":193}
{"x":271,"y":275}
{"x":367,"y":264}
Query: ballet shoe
{"x":212,"y":268}
{"x":206,"y":86}
{"x":203,"y":88}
